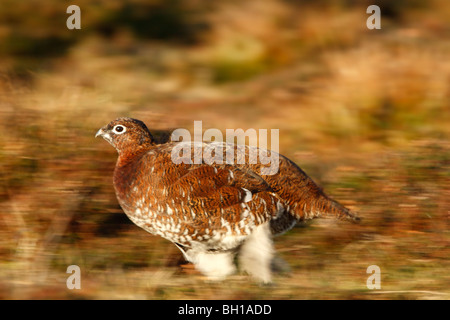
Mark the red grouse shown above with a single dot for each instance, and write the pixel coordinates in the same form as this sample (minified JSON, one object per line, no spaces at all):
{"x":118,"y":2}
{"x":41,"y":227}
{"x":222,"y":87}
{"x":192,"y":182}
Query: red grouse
{"x":212,"y":211}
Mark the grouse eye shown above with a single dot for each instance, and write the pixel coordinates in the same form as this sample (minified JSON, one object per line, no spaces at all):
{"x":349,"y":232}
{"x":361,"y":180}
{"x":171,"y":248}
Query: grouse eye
{"x":119,"y":129}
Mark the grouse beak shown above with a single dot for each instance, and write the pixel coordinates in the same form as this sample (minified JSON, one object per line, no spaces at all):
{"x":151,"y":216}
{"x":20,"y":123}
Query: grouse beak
{"x":99,"y":133}
{"x":103,"y":132}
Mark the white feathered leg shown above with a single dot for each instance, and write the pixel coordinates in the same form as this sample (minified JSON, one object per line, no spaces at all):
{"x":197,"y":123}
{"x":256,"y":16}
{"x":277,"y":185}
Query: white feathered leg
{"x":216,"y":266}
{"x":256,"y":254}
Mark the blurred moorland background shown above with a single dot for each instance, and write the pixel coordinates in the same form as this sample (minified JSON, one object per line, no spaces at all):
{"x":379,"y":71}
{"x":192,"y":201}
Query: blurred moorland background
{"x":365,"y":113}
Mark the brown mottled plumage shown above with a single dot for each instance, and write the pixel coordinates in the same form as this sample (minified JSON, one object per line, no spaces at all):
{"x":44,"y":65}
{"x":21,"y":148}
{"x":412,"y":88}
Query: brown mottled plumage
{"x":211,"y":211}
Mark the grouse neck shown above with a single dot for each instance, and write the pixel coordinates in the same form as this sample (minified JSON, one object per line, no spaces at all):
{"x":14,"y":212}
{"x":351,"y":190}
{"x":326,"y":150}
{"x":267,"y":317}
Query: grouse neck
{"x":125,"y":175}
{"x":131,"y":155}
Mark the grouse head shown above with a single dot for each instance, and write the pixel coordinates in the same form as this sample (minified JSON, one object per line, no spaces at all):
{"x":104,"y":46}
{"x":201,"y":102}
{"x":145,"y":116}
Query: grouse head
{"x":126,"y":135}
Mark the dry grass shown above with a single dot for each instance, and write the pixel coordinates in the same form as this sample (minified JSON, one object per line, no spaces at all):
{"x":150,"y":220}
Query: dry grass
{"x":365,"y":113}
